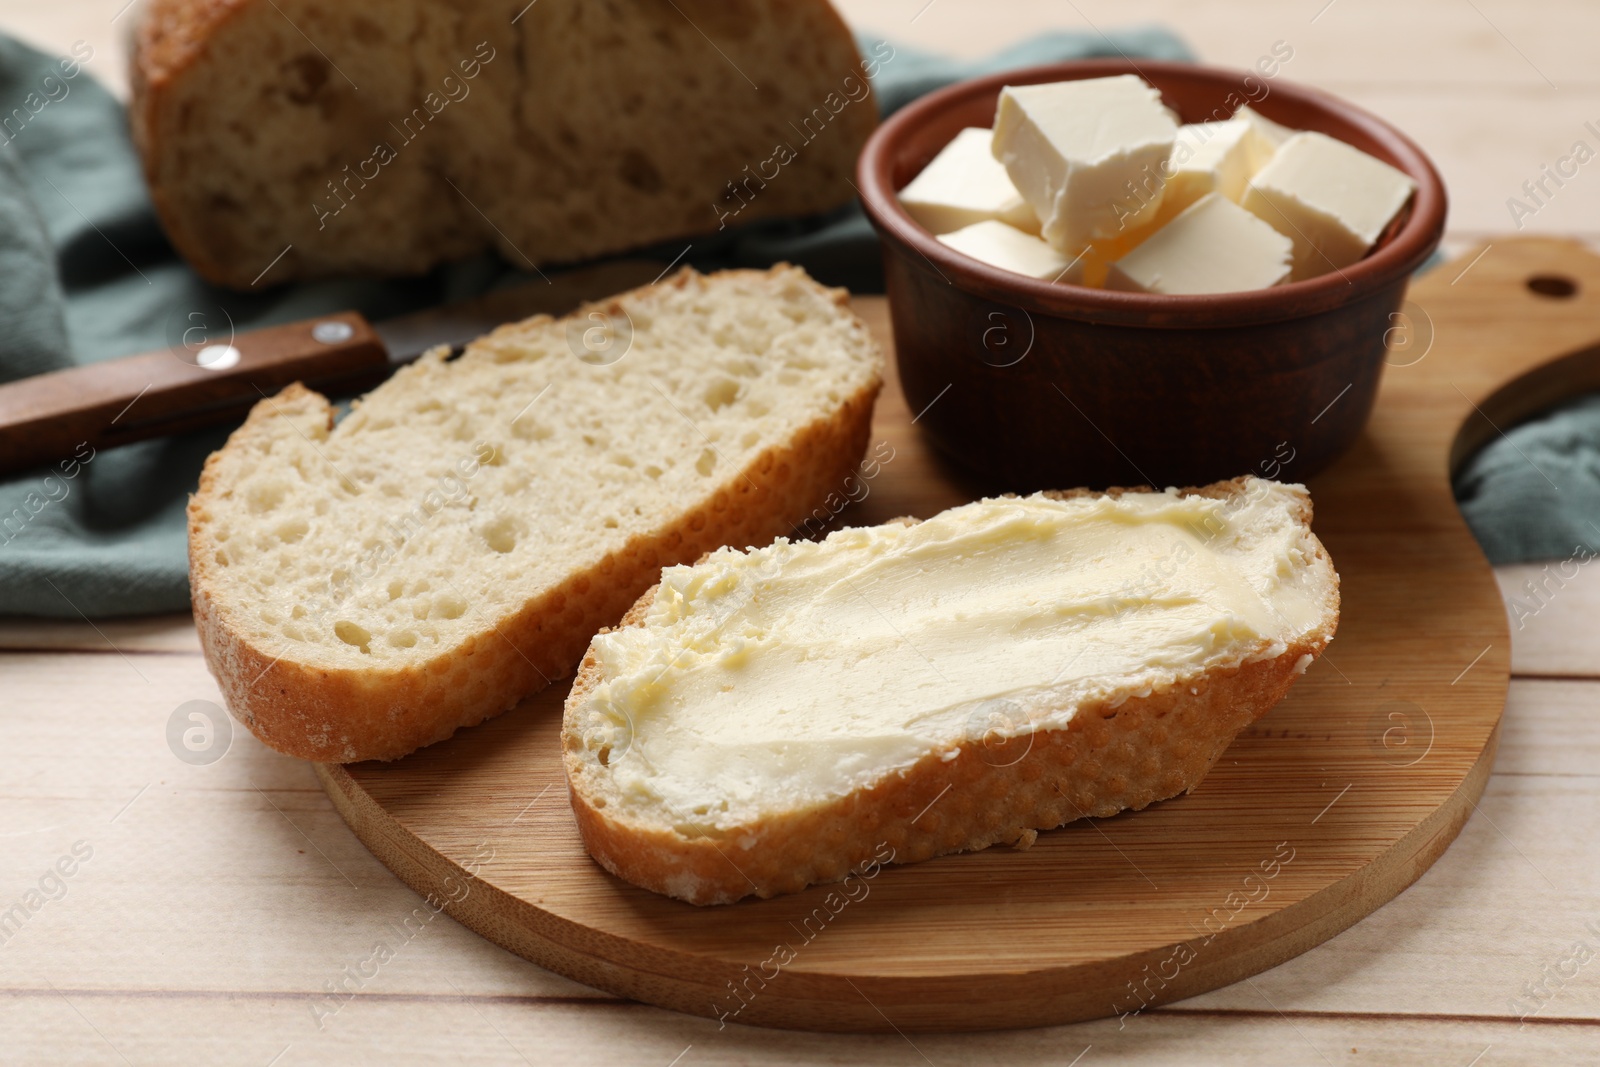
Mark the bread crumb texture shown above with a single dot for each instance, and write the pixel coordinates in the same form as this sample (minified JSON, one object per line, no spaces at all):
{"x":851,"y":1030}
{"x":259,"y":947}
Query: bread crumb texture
{"x":366,"y":587}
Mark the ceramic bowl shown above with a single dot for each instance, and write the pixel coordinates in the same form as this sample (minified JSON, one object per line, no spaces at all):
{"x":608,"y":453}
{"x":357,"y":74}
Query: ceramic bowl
{"x":1037,"y":384}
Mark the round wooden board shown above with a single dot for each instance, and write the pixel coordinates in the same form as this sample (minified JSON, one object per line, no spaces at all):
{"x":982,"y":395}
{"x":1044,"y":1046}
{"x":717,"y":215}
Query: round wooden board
{"x":1331,"y":805}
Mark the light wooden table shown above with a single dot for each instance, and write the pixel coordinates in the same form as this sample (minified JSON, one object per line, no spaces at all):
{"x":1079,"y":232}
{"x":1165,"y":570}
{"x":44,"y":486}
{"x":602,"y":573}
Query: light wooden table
{"x":218,"y":903}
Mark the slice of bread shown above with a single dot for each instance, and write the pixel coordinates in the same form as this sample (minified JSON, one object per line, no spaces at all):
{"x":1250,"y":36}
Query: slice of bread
{"x":368,"y":587}
{"x":293,"y":139}
{"x":767,"y":720}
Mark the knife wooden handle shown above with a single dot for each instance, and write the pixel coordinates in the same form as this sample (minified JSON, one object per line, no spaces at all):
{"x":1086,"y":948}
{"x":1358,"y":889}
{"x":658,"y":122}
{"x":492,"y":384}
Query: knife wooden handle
{"x":44,"y":418}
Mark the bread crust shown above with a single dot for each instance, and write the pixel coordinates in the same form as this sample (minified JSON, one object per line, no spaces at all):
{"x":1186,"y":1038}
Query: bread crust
{"x":171,"y":43}
{"x":170,"y":36}
{"x":344,"y":715}
{"x":1123,"y":752}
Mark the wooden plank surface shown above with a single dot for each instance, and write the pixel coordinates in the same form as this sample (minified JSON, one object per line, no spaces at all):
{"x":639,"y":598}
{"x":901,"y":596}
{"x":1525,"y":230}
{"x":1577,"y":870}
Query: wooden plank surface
{"x":221,"y":900}
{"x":212,"y":915}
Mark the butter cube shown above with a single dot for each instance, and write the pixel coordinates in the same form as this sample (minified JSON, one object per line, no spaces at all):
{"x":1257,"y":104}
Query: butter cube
{"x":1268,"y":135}
{"x":1004,"y":246}
{"x":1209,"y":157}
{"x":965,"y":184}
{"x":1087,"y":155}
{"x":1213,"y":246}
{"x":1331,"y":199}
{"x":1091,"y":263}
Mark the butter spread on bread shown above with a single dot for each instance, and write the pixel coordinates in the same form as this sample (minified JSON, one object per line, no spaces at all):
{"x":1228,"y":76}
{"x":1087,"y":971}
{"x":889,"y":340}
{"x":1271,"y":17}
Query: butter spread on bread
{"x":1023,"y":661}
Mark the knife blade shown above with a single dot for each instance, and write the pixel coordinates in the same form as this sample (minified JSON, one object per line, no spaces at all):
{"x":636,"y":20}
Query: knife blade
{"x":115,"y":402}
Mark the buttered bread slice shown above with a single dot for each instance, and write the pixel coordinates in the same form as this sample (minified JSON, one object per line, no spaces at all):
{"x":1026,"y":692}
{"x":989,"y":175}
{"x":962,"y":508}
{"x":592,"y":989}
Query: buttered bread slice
{"x":769,"y":719}
{"x":368,"y":587}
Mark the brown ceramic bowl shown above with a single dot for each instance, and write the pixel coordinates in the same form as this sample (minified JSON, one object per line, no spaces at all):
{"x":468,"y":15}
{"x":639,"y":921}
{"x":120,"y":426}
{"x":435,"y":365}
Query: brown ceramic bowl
{"x":1040,"y":384}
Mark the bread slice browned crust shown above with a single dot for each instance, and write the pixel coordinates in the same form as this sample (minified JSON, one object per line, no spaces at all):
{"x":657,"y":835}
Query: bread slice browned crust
{"x":289,"y":663}
{"x":295,"y":139}
{"x":1124,"y":751}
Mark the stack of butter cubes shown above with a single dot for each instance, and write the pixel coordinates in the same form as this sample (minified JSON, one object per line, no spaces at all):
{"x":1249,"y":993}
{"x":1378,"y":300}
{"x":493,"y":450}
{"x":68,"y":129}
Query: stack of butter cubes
{"x":1095,"y":183}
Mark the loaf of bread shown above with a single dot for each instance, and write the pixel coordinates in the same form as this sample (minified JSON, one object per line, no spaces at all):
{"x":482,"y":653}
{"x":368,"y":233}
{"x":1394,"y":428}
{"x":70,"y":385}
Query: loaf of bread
{"x":293,"y":139}
{"x":368,"y":586}
{"x":770,"y":719}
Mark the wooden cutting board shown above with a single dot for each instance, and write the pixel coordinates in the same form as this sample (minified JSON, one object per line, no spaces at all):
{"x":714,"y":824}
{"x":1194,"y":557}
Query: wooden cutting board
{"x":1331,"y":805}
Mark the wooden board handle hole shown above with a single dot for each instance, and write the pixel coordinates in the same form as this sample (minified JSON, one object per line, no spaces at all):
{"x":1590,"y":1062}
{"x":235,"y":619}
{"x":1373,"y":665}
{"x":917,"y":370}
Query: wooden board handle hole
{"x":1555,"y":286}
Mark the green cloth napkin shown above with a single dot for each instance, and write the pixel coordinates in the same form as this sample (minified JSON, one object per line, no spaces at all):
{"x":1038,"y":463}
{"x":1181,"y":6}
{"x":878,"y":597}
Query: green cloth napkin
{"x":89,"y":276}
{"x":1534,"y":494}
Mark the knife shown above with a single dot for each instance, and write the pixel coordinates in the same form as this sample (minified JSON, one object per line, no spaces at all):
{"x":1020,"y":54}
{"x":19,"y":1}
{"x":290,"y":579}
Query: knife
{"x":173,"y":390}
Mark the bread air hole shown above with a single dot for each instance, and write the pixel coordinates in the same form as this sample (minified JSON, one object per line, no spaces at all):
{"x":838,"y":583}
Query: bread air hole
{"x":263,"y":496}
{"x":720,"y":393}
{"x":351,"y":634}
{"x":293,"y":530}
{"x":500,"y":534}
{"x":527,"y":429}
{"x":706,"y":463}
